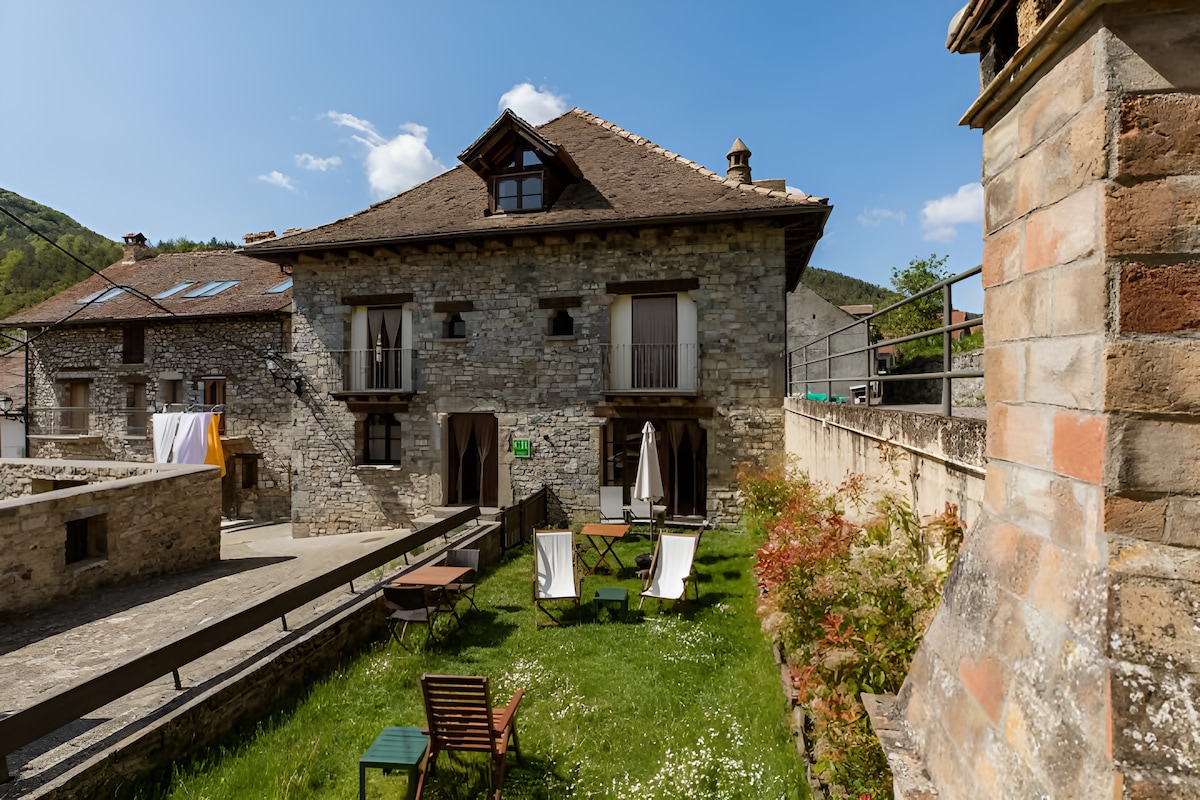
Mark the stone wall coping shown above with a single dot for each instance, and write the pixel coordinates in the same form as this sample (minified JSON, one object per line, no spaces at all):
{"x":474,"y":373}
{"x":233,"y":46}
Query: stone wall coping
{"x":149,"y":474}
{"x":958,"y":442}
{"x":1055,"y":31}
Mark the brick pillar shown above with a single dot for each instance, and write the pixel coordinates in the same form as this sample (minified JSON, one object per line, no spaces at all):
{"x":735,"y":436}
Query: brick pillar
{"x":1061,"y":660}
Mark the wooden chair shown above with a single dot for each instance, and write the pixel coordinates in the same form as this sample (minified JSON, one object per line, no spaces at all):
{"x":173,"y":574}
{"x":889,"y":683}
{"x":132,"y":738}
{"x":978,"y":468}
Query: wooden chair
{"x":671,"y":569}
{"x":464,"y":558}
{"x":555,"y":570}
{"x":460,"y":715}
{"x":409,"y":604}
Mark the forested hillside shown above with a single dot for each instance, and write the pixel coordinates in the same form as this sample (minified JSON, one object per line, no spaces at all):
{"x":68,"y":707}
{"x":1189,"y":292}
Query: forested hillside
{"x":842,"y":290}
{"x":31,"y":269}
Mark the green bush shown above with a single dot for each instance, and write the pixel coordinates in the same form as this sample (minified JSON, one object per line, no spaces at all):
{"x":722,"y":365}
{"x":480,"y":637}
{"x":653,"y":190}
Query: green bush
{"x":850,"y":579}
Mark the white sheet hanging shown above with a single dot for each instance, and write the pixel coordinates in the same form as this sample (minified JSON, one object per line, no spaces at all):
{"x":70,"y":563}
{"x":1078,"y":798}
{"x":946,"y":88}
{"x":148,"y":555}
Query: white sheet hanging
{"x":191,"y":442}
{"x":166,"y":426}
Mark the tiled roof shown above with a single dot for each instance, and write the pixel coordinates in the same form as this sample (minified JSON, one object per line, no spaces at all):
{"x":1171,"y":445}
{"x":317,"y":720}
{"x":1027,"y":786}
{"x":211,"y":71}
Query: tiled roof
{"x":154,"y":275}
{"x":626,"y":179}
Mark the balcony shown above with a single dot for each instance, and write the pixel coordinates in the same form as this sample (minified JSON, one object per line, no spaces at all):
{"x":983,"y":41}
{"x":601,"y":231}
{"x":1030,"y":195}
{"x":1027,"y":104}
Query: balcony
{"x":378,"y":371}
{"x":60,"y":420}
{"x":651,"y":368}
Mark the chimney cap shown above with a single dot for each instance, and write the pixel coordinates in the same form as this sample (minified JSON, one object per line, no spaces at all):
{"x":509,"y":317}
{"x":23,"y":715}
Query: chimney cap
{"x":738,"y":147}
{"x":134,"y":238}
{"x":261,"y":236}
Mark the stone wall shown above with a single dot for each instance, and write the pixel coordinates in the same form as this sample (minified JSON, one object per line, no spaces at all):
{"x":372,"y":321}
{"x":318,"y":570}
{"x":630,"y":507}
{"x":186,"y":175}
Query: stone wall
{"x":258,"y":420}
{"x":161,"y":519}
{"x":1062,"y":660}
{"x":929,"y":460}
{"x":544,"y":388}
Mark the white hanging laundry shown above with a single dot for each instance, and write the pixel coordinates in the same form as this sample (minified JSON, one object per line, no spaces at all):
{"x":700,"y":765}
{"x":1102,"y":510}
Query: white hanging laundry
{"x":191,"y":442}
{"x":166,"y":426}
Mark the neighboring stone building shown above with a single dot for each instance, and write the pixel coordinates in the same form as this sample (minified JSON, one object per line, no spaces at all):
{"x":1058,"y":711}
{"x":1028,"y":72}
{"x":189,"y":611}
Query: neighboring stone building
{"x":1063,"y":660}
{"x":514,"y":322}
{"x":811,"y":318}
{"x":190,"y":330}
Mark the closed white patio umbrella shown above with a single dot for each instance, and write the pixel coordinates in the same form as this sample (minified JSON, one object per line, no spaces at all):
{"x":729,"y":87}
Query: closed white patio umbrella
{"x":648,"y":486}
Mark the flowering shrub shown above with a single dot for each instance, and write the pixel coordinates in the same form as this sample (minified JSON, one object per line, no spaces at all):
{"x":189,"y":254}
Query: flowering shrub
{"x":849,"y":582}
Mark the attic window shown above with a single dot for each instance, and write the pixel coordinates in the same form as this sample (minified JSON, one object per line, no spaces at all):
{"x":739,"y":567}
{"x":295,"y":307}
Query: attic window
{"x":211,"y":288}
{"x":280,"y":288}
{"x":517,"y":185}
{"x":102,"y":296}
{"x":176,"y":289}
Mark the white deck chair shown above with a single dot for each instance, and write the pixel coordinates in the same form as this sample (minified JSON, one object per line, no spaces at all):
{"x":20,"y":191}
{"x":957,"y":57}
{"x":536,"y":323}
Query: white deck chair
{"x":555,"y":570}
{"x":611,"y":507}
{"x":671,"y":571}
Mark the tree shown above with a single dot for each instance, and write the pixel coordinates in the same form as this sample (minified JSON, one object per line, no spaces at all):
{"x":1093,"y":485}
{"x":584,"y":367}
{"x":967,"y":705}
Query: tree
{"x":925,"y":313}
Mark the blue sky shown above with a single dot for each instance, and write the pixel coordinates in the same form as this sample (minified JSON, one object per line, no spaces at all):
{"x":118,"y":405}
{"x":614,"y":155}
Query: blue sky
{"x":223,"y":118}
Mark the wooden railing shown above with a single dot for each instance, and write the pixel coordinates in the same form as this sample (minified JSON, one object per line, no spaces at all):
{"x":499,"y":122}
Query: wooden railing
{"x":520,"y":520}
{"x":30,"y":724}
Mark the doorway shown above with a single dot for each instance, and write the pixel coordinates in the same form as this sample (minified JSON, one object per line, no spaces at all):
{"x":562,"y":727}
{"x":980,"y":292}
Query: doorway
{"x":472,"y":465}
{"x":682,"y":460}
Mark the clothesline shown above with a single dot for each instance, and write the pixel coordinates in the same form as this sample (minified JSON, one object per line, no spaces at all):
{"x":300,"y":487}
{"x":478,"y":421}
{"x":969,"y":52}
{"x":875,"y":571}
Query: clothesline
{"x":188,"y":437}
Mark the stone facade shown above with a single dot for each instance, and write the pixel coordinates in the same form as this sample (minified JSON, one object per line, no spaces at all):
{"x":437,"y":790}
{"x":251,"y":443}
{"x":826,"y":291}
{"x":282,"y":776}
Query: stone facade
{"x":1062,"y":661}
{"x":257,"y":422}
{"x":123,"y":522}
{"x":545,"y":388}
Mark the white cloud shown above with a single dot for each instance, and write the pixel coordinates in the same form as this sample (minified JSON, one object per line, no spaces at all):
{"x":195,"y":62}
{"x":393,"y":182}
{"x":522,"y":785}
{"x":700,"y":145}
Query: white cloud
{"x":874,"y":217}
{"x":940,"y":217}
{"x":392,"y":165}
{"x":535,"y":106}
{"x":277,"y":178}
{"x":308,"y":161}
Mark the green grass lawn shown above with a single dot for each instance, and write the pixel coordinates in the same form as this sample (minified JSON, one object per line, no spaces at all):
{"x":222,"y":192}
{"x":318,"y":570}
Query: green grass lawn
{"x":686,"y":703}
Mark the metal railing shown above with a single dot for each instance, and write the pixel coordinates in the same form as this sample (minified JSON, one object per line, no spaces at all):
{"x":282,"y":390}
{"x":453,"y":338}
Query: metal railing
{"x":849,"y":352}
{"x":61,"y":420}
{"x":30,"y":724}
{"x":378,"y":369}
{"x":651,"y":367}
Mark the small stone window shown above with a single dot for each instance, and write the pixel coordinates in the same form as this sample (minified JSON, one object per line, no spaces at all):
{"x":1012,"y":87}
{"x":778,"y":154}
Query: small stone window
{"x":381,"y":437}
{"x":455,"y":327}
{"x":87,"y":540}
{"x":562,"y":323}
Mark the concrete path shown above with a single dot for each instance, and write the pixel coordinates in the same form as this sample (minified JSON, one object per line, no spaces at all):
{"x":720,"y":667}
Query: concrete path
{"x":44,"y":652}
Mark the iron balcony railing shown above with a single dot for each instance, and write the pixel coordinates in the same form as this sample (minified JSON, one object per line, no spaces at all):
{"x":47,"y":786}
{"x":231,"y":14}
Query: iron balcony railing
{"x":847,"y":354}
{"x":651,"y":367}
{"x":61,"y":420}
{"x":94,"y":420}
{"x":378,"y":369}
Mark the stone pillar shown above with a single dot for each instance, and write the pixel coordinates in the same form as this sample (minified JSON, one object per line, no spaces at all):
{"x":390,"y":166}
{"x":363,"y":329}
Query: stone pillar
{"x":1061,"y":661}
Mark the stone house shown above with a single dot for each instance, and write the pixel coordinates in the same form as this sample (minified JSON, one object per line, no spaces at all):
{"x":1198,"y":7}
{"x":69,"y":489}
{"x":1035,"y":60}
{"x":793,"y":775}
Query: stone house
{"x":186,"y":330}
{"x":514,"y":322}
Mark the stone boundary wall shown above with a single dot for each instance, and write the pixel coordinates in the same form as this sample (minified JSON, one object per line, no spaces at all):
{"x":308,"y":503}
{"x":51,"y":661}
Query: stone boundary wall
{"x":135,"y":520}
{"x":930,"y":460}
{"x":236,"y":700}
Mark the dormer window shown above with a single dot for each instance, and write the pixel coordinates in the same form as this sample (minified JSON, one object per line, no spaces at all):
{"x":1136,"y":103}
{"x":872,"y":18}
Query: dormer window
{"x":522,"y":169}
{"x":518,"y":183}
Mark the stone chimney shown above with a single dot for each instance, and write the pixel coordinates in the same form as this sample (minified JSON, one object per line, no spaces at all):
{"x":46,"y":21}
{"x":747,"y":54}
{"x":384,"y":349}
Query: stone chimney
{"x":135,"y":248}
{"x":262,"y":236}
{"x":739,"y":162}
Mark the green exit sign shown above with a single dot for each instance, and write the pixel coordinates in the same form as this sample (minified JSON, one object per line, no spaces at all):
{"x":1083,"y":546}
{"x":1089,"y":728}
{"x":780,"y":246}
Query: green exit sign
{"x":522,"y":448}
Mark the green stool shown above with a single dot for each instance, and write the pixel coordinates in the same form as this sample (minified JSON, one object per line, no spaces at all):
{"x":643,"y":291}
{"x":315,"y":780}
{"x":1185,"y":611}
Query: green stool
{"x":614,"y":598}
{"x":395,"y":749}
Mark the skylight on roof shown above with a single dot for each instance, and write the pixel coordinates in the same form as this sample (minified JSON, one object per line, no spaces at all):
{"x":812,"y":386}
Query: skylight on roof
{"x":211,"y":288}
{"x":176,"y":289}
{"x":280,"y":288}
{"x":102,"y":296}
